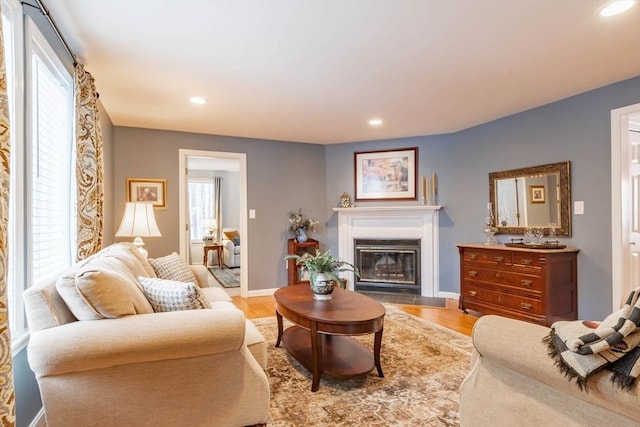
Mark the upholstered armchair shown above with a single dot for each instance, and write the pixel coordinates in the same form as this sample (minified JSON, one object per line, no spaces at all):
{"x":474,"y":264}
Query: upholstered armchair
{"x":231,"y":250}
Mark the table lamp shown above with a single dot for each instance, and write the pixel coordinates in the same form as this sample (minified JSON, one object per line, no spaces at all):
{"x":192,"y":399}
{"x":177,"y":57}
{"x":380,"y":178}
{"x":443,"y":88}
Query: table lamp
{"x":210,"y":226}
{"x":138,"y":221}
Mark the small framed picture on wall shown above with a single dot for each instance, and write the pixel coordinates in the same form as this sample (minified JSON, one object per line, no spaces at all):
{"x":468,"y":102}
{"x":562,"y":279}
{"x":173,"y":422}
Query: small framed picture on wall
{"x":536,"y":194}
{"x":148,"y":190}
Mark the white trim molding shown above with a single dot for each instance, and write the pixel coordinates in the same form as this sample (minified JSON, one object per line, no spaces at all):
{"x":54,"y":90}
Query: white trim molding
{"x":394,"y":222}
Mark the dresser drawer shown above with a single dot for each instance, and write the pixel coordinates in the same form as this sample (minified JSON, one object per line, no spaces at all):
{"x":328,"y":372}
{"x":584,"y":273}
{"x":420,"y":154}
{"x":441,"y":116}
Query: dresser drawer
{"x":473,"y":292}
{"x":526,"y":259}
{"x":488,"y":257}
{"x":503,"y":277}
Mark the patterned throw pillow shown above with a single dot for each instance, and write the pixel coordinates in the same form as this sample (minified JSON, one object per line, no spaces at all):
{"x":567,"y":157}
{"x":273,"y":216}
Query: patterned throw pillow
{"x":172,"y":267}
{"x":169,"y":295}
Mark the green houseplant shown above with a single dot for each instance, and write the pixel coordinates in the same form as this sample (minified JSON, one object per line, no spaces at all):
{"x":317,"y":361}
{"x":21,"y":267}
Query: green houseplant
{"x":323,"y":269}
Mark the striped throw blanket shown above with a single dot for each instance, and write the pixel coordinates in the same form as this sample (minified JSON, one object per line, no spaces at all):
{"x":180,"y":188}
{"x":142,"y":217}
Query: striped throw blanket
{"x":582,"y":348}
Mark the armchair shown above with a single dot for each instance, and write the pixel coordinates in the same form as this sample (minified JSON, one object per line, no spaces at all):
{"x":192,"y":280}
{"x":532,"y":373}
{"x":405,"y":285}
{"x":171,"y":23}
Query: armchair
{"x":231,"y":247}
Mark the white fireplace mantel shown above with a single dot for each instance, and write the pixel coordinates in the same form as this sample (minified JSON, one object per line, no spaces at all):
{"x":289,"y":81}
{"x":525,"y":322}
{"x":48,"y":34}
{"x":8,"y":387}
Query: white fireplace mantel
{"x":394,"y":222}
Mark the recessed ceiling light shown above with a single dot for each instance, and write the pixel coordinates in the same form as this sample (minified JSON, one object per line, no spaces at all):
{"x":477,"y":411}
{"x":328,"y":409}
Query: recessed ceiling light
{"x":616,"y":7}
{"x":375,"y":122}
{"x":197,"y":100}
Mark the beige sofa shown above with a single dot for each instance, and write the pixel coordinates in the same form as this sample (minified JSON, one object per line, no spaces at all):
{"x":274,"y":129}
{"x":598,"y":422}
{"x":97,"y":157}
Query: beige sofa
{"x":513,"y":382}
{"x":196,"y":367}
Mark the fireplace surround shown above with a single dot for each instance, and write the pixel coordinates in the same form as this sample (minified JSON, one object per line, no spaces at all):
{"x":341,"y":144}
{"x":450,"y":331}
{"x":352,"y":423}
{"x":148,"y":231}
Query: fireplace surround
{"x":410,"y":222}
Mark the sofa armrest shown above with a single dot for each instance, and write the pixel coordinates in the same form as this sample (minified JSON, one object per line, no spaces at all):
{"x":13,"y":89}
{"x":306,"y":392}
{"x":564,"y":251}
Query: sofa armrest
{"x":86,"y":345}
{"x":202,"y":275}
{"x":518,"y":346}
{"x":228,"y":245}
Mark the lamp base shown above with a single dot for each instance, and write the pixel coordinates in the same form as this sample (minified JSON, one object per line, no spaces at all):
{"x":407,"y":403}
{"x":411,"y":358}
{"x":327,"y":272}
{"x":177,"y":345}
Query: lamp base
{"x":138,"y":243}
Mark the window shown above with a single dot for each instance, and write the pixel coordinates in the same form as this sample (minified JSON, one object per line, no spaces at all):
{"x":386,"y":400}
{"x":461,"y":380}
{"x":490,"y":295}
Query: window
{"x":201,"y":194}
{"x":42,"y":218}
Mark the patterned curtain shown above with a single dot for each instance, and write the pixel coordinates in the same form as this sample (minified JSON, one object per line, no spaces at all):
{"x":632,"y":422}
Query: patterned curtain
{"x":7,"y":397}
{"x":89,"y":168}
{"x":217,"y":206}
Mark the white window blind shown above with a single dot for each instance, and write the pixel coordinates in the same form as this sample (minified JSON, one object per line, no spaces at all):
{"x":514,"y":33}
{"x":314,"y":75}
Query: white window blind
{"x":201,"y":193}
{"x":52,"y":168}
{"x":42,"y":202}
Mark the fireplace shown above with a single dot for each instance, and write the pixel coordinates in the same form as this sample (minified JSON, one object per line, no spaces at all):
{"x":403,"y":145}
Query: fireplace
{"x":417,"y":224}
{"x":388,"y":265}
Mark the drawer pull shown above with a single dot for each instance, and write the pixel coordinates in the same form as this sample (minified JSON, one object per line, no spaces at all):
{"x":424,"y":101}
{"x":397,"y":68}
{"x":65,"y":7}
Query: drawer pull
{"x":526,"y":305}
{"x":473,"y":273}
{"x":526,"y":261}
{"x":473,"y":293}
{"x":525,"y":282}
{"x":498,"y":258}
{"x":473,"y":256}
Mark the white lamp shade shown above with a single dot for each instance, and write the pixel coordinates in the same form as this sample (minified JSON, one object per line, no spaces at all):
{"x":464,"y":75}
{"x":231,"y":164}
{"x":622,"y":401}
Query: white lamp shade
{"x":138,"y":220}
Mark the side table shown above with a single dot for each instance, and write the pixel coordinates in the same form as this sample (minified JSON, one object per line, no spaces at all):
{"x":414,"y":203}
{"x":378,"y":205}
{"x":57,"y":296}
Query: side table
{"x":210,"y":247}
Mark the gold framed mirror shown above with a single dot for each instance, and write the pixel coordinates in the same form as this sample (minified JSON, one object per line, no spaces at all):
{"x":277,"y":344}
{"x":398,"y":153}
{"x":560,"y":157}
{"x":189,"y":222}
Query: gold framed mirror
{"x":537,"y":196}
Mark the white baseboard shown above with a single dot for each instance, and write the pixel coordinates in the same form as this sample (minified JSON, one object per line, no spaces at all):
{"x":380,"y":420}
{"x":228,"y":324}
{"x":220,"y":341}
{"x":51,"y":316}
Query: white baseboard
{"x":39,"y":420}
{"x":261,"y":292}
{"x":452,"y":295}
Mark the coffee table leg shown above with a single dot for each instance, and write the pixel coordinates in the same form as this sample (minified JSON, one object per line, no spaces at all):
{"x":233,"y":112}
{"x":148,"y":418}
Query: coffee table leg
{"x":280,"y":328}
{"x":316,"y":350}
{"x":377,"y":343}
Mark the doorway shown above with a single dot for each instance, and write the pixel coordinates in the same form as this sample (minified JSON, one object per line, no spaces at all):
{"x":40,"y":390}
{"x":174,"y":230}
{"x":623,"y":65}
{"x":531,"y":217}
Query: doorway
{"x":215,"y":160}
{"x":625,"y":201}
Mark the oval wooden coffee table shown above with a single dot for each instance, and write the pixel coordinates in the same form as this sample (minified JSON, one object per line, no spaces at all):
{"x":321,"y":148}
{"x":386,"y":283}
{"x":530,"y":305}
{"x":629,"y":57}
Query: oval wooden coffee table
{"x":321,"y":336}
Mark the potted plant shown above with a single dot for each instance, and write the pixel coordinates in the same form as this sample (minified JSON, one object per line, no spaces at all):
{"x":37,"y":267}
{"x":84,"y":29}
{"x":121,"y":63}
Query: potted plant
{"x":301,"y":225}
{"x":323,"y":269}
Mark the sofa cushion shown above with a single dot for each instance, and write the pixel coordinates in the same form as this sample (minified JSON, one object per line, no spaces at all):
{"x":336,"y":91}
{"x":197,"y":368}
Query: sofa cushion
{"x":103,"y":288}
{"x":127,"y":252}
{"x":169,"y":295}
{"x":172,"y":267}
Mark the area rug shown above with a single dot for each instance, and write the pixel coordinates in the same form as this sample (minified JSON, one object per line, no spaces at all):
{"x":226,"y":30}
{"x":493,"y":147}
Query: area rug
{"x":423,"y":363}
{"x":227,"y":277}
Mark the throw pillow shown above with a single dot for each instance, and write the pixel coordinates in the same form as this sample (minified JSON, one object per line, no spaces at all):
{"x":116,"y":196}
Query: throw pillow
{"x":172,"y":267}
{"x":103,"y":288}
{"x":236,"y":241}
{"x":230,"y":234}
{"x":169,"y":295}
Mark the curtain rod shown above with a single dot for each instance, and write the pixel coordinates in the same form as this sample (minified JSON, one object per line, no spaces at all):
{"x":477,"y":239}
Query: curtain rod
{"x":41,"y":7}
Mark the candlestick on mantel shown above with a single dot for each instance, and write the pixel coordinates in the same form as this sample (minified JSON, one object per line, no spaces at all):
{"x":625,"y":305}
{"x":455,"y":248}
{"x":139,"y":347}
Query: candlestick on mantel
{"x":425,"y":190}
{"x":434,"y":188}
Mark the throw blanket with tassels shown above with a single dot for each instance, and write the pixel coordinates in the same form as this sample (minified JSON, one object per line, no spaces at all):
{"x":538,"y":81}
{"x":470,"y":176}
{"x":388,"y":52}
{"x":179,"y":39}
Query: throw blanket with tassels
{"x":582,"y":348}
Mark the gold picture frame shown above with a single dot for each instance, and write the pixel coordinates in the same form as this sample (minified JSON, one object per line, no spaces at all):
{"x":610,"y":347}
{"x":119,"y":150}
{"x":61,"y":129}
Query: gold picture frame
{"x":536,"y":194}
{"x":148,"y":190}
{"x":386,"y":174}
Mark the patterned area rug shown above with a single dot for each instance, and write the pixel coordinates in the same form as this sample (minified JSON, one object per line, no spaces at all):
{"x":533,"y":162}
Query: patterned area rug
{"x":423,"y":364}
{"x":227,"y":277}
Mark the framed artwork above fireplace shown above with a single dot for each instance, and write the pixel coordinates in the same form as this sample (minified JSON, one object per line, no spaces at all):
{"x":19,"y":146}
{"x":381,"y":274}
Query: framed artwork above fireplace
{"x":386,"y":175}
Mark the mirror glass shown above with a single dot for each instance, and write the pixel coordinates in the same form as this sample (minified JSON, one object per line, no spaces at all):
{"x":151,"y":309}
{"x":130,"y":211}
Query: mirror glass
{"x":537,"y":196}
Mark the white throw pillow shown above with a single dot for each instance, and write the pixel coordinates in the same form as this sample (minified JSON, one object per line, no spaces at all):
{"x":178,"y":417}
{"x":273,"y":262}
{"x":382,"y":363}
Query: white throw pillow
{"x":172,"y":267}
{"x":170,"y":295}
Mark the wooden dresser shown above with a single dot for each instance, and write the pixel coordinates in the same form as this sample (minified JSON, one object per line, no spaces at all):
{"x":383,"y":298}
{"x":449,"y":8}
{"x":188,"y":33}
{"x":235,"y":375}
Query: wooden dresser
{"x":538,"y":286}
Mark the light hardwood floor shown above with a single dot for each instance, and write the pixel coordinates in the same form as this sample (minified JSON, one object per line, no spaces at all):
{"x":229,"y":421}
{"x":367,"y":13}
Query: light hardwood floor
{"x":449,"y":316}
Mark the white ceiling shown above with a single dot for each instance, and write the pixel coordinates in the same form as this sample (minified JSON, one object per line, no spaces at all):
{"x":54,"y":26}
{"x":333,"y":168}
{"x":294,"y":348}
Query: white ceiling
{"x":317,"y":71}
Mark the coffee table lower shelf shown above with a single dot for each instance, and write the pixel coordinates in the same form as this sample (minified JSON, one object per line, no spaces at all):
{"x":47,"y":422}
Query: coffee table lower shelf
{"x":360,"y":360}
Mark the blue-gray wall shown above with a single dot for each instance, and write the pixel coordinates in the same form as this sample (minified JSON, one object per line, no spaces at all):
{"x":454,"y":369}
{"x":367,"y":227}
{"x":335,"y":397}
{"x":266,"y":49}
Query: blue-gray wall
{"x":282,"y":176}
{"x":577,"y":129}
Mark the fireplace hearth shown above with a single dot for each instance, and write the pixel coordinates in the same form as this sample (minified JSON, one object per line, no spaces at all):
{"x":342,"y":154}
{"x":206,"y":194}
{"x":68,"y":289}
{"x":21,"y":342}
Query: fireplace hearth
{"x":388,"y":265}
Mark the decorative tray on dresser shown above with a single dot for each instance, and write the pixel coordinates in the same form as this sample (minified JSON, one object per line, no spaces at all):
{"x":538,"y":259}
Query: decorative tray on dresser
{"x":534,"y":285}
